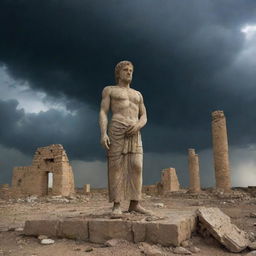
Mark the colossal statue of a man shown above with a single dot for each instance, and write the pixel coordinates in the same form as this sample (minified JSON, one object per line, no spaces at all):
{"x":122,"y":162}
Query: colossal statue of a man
{"x":122,"y":138}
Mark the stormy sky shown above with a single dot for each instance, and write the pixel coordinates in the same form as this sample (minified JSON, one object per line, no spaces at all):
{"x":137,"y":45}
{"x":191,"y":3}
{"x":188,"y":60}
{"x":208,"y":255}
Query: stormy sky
{"x":190,"y":58}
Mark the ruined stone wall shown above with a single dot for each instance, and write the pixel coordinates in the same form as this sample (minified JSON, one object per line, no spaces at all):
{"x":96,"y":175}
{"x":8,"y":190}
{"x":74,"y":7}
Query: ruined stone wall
{"x":5,"y":192}
{"x":34,"y":179}
{"x":149,"y":189}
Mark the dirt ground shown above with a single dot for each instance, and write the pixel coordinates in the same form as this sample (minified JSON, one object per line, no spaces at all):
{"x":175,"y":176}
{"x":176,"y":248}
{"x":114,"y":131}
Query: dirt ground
{"x":14,"y":213}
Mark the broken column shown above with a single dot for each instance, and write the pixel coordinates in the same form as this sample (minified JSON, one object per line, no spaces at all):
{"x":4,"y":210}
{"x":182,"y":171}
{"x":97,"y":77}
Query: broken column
{"x":170,"y":180}
{"x":220,"y":150}
{"x":87,"y":188}
{"x":193,"y":167}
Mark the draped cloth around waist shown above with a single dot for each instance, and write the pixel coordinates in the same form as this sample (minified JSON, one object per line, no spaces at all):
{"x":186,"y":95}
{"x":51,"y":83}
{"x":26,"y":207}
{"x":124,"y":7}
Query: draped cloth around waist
{"x":125,"y":157}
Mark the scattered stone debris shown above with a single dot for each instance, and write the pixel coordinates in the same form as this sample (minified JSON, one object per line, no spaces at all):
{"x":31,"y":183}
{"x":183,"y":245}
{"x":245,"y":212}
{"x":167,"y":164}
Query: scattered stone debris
{"x":88,"y":249}
{"x":194,"y":249}
{"x":150,"y":250}
{"x":19,"y":229}
{"x":159,"y":205}
{"x":220,"y":227}
{"x":253,"y":215}
{"x":41,"y":237}
{"x":252,"y":246}
{"x":47,"y":241}
{"x":114,"y":242}
{"x":181,"y":250}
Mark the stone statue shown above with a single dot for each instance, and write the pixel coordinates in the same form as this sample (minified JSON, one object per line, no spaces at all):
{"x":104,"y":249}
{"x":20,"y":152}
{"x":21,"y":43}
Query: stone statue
{"x":122,"y":139}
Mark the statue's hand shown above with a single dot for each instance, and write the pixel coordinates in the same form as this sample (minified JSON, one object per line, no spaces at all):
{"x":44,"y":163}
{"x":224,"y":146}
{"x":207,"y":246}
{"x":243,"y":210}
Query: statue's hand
{"x":132,"y":129}
{"x":105,"y":142}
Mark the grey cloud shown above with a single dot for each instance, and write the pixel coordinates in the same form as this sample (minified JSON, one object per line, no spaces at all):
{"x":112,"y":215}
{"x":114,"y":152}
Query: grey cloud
{"x":184,"y":57}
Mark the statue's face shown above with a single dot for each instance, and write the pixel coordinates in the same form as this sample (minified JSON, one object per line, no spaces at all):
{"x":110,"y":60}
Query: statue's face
{"x":126,"y":73}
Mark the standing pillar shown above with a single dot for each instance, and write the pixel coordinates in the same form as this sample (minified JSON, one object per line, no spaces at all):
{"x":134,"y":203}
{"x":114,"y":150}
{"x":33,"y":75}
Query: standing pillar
{"x":193,"y":167}
{"x":220,"y":150}
{"x":87,"y":188}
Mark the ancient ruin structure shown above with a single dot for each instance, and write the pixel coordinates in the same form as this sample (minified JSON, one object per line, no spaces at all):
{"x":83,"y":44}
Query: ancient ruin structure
{"x":87,"y":188}
{"x":50,"y":173}
{"x":193,"y":167}
{"x":220,"y":150}
{"x":169,"y":181}
{"x":5,"y":191}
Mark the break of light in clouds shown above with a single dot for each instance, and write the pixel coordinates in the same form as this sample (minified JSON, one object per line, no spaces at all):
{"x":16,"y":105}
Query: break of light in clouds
{"x":249,"y":31}
{"x":32,"y":101}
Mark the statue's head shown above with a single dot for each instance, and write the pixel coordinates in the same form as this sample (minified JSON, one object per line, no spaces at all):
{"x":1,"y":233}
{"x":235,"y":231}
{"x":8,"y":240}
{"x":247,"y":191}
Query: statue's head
{"x":120,"y":66}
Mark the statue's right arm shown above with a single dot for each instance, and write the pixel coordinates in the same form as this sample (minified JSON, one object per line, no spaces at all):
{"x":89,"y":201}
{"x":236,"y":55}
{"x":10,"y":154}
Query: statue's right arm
{"x":103,"y":117}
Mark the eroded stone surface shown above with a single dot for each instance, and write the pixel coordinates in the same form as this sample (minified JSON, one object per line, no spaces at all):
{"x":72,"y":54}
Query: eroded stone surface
{"x":102,"y":230}
{"x":74,"y":229}
{"x":219,"y":225}
{"x":49,"y":228}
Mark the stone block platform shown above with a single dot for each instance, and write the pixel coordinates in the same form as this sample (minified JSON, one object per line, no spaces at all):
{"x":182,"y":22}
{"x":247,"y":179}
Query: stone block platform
{"x":169,"y":228}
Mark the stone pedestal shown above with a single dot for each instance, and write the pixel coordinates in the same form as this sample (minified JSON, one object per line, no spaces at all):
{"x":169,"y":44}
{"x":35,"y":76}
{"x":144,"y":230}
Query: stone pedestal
{"x":220,"y":151}
{"x":193,"y":166}
{"x":171,"y":230}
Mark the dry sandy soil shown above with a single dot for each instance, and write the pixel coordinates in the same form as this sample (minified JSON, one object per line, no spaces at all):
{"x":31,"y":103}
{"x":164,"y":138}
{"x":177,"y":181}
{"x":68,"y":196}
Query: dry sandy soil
{"x":14,"y":213}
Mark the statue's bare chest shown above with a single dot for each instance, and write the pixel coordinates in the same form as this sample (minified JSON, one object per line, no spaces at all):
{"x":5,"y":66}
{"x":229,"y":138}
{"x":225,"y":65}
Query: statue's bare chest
{"x":120,"y":94}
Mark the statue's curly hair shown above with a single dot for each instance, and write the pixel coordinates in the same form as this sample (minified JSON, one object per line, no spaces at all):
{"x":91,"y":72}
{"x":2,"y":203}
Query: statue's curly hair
{"x":119,"y":66}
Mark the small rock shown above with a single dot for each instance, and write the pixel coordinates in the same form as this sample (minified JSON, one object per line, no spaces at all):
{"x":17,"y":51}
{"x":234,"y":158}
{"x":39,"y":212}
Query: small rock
{"x":194,"y":249}
{"x":47,"y":241}
{"x":253,"y":215}
{"x":250,"y":236}
{"x":159,"y":205}
{"x":181,"y":250}
{"x":252,"y":246}
{"x":11,"y":229}
{"x":112,"y":242}
{"x":88,"y":249}
{"x":77,"y":249}
{"x":252,"y":253}
{"x":41,"y":237}
{"x":150,"y":250}
{"x":254,"y":224}
{"x":19,"y":229}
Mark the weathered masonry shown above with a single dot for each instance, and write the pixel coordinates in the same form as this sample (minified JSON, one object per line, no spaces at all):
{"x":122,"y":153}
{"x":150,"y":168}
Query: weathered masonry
{"x":50,"y":173}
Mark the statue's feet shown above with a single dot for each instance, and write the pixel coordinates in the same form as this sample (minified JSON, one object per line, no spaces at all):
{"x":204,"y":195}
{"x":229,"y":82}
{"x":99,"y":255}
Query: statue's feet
{"x":136,"y":207}
{"x":116,"y":210}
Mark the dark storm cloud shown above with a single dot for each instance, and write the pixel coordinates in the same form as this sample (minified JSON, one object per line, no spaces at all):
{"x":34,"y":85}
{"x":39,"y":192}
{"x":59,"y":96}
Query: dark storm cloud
{"x":78,"y":133}
{"x":179,"y":48}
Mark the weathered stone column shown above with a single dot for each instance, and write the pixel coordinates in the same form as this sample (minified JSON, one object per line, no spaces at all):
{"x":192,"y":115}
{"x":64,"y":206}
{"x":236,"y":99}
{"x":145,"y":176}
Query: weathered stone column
{"x":193,"y":167}
{"x":220,"y":150}
{"x":87,"y":188}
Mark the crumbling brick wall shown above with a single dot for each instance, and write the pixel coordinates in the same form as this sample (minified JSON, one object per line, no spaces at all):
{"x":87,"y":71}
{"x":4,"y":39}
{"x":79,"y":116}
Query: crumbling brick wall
{"x":33,"y":180}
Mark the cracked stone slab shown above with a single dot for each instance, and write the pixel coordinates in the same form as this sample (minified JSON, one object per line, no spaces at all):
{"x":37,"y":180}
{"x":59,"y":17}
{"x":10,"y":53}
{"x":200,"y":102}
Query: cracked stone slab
{"x":219,"y":226}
